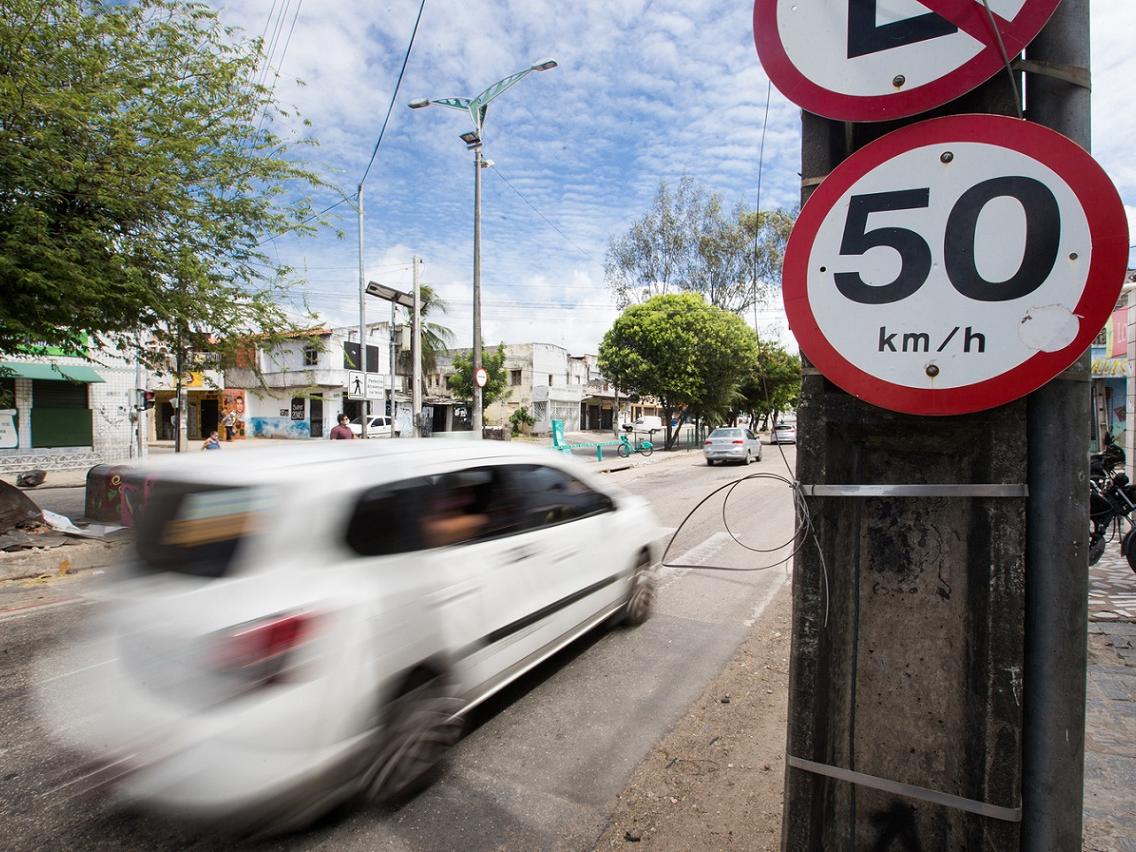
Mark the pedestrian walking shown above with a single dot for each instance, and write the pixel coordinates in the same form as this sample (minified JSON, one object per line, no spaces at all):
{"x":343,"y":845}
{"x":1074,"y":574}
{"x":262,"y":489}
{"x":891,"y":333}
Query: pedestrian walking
{"x":229,"y":421}
{"x":341,"y":431}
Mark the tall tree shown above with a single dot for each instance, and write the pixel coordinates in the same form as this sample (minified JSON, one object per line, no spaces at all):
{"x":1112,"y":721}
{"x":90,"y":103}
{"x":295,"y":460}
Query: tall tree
{"x":497,"y":386}
{"x":773,"y":383}
{"x":687,"y":242}
{"x":139,"y":177}
{"x":687,"y":353}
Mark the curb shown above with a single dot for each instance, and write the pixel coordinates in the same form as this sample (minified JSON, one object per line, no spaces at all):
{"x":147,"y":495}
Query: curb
{"x":59,"y":561}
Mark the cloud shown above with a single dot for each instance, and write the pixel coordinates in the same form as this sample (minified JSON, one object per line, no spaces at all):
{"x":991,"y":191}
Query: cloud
{"x":645,"y":91}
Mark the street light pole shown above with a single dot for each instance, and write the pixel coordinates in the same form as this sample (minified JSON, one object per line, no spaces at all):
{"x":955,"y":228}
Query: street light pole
{"x":476,"y":108}
{"x":476,"y":414}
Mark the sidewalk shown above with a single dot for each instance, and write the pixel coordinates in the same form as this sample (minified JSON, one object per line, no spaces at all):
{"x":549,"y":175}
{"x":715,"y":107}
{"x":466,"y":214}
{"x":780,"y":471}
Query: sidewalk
{"x":1110,"y":707}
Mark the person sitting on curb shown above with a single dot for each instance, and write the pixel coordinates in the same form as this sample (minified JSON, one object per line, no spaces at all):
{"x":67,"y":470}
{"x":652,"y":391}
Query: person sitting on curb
{"x":212,"y":442}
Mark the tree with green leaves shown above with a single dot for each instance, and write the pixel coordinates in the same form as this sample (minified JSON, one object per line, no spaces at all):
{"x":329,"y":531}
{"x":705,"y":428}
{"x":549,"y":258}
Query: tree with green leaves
{"x":461,"y":381}
{"x":689,"y":354}
{"x":436,"y":338}
{"x":687,"y":242}
{"x":773,"y":384}
{"x":140,"y":178}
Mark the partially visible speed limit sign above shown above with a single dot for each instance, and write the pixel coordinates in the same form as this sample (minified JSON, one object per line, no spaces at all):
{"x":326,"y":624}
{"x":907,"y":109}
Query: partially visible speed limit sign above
{"x":955,"y":264}
{"x":872,"y":60}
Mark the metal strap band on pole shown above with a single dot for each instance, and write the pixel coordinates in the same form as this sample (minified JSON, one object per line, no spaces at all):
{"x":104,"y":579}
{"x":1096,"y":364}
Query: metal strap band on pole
{"x":1010,"y":489}
{"x":1077,"y":76}
{"x":911,"y":791}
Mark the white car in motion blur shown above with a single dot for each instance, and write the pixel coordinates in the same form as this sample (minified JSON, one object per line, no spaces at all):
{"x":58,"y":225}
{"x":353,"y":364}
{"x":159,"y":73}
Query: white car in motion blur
{"x":301,"y":626}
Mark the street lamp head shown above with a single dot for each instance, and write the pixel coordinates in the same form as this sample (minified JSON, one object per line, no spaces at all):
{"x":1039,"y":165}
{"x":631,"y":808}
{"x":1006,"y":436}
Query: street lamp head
{"x":470,"y":138}
{"x":419,"y":103}
{"x":546,"y":65}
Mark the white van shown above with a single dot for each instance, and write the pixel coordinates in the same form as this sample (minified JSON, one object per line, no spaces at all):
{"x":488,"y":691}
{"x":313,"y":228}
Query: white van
{"x":644,"y":424}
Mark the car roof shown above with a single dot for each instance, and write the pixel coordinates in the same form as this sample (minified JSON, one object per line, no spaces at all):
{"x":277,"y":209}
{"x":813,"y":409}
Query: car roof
{"x":328,"y":461}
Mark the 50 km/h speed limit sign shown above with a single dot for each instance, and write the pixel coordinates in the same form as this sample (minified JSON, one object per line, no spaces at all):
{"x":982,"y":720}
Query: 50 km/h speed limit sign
{"x":872,"y":60}
{"x":955,"y":264}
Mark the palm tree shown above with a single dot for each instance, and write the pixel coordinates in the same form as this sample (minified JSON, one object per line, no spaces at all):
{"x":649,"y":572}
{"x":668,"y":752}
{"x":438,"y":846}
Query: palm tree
{"x":436,"y":338}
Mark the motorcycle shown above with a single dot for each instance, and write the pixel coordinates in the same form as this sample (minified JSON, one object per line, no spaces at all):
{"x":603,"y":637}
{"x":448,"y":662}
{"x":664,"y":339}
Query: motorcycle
{"x":1112,"y":500}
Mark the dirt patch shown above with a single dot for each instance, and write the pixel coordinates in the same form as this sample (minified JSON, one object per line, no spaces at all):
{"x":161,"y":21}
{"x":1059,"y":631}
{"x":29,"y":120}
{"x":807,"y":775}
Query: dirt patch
{"x":715,"y":781}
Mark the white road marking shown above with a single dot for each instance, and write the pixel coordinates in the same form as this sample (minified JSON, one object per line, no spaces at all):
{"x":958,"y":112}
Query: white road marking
{"x":75,"y":672}
{"x":700,"y":554}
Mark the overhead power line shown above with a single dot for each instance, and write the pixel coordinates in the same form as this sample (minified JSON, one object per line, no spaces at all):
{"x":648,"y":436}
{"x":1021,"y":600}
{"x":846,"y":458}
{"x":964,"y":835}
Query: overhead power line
{"x":394,"y":94}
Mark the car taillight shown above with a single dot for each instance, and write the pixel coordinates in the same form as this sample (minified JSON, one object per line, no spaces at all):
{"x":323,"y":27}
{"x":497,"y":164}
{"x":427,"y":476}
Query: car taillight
{"x":737,"y":442}
{"x":261,"y":652}
{"x":707,"y":442}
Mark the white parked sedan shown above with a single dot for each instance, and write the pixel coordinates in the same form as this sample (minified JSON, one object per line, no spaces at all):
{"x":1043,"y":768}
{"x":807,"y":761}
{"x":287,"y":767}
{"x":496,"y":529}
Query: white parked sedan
{"x":783,"y":433}
{"x":736,"y":444}
{"x":305,"y":625}
{"x":378,"y":426}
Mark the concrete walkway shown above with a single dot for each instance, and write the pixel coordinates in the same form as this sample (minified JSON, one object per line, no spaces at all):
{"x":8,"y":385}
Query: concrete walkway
{"x":1110,"y":707}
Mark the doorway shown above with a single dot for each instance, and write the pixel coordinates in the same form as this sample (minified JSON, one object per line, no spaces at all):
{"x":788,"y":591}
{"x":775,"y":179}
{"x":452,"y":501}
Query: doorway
{"x":316,"y":408}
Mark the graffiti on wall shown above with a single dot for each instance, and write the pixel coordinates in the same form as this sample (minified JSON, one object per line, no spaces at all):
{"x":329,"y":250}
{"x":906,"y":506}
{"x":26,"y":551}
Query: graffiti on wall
{"x":279,"y":427}
{"x":234,"y":402}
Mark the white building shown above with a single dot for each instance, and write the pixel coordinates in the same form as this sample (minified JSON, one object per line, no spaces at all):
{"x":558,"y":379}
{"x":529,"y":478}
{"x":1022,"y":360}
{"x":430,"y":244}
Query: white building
{"x":299,"y":387}
{"x":553,"y":385}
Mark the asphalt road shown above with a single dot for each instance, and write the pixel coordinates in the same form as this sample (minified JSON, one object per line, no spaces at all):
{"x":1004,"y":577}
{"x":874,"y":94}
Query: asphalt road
{"x":69,"y":502}
{"x":544,"y":759}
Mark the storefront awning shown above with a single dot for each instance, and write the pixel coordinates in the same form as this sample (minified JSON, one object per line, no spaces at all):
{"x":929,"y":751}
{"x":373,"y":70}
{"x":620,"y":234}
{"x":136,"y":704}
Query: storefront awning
{"x":49,"y":372}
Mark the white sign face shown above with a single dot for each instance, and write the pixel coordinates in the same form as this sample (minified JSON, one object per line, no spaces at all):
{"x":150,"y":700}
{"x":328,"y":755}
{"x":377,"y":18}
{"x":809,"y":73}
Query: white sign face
{"x":376,"y":386}
{"x":871,"y":60}
{"x":947,"y":266}
{"x":356,"y":384}
{"x":9,"y":439}
{"x":481,"y":377}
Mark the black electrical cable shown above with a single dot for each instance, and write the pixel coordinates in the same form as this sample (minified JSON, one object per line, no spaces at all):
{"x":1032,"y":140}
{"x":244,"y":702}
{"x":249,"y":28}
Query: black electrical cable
{"x":801,"y":535}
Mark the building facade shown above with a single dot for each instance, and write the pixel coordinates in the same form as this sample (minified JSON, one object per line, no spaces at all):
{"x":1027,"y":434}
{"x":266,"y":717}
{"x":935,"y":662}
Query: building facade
{"x":298,"y":388}
{"x":60,"y":410}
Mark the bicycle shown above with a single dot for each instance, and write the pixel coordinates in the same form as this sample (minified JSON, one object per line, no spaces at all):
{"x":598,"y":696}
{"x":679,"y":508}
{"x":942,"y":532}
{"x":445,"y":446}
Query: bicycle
{"x":625,"y":447}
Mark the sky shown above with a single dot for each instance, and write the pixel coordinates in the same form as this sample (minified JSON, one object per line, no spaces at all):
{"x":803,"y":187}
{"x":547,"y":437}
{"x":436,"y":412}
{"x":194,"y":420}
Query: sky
{"x":646,"y":90}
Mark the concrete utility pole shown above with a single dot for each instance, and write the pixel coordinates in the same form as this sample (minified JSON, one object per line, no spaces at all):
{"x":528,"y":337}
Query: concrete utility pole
{"x":923,"y":650}
{"x":1056,"y":550}
{"x":364,"y":407}
{"x":417,"y":394}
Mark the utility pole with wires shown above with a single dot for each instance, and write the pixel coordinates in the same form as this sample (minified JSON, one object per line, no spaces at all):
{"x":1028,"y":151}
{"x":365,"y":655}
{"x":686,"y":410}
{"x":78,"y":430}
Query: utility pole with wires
{"x":937,"y":678}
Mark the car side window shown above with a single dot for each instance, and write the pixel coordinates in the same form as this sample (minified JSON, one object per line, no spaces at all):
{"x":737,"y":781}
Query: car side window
{"x":750,"y":435}
{"x":550,"y":496}
{"x":469,"y":505}
{"x":385,"y":519}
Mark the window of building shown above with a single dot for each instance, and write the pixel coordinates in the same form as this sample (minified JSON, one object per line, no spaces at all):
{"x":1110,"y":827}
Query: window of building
{"x":311,"y":356}
{"x":514,"y":377}
{"x":550,"y":379}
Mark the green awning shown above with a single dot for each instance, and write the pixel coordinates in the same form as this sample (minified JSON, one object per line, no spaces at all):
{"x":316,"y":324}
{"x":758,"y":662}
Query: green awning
{"x":49,"y":372}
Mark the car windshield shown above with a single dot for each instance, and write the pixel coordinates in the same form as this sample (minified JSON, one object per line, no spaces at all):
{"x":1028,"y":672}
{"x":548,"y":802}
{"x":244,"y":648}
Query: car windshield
{"x":726,"y":433}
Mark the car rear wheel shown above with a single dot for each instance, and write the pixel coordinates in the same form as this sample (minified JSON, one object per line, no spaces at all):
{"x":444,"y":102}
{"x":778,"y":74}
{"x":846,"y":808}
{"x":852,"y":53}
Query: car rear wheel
{"x":420,"y":725}
{"x":641,"y":598}
{"x":710,"y":462}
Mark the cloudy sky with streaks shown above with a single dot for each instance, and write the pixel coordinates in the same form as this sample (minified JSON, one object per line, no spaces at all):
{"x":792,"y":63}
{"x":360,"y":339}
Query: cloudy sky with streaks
{"x":646,"y":90}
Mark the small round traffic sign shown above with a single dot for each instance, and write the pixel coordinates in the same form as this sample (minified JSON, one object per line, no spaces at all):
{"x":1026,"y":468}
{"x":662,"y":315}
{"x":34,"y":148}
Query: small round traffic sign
{"x":481,"y":377}
{"x":955,"y":264}
{"x":873,"y":60}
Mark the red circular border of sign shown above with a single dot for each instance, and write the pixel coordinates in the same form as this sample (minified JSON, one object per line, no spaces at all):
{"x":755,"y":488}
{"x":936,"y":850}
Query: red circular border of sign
{"x":1108,"y":230}
{"x":816,"y":99}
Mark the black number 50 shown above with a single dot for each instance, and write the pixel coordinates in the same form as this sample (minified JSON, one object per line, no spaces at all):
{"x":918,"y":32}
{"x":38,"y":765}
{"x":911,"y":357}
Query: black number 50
{"x":1043,"y":231}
